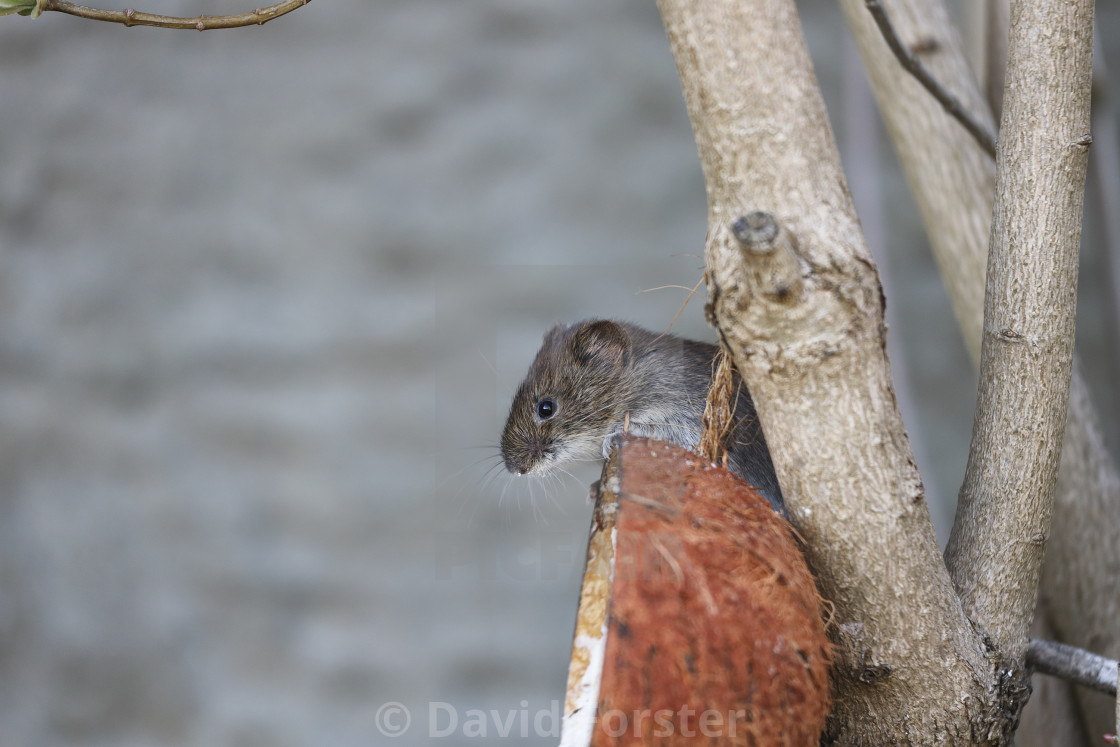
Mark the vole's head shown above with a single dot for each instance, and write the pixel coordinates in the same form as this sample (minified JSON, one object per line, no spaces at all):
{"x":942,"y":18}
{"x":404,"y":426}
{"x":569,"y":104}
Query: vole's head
{"x":572,"y":398}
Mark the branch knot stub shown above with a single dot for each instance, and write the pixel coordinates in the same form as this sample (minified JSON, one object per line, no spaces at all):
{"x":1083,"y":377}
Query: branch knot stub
{"x":1006,"y":334}
{"x":756,"y":232}
{"x":873,"y":674}
{"x":768,"y":253}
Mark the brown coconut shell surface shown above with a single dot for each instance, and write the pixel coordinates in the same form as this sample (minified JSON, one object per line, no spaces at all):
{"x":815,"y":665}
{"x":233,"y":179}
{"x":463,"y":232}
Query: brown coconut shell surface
{"x":715,"y":629}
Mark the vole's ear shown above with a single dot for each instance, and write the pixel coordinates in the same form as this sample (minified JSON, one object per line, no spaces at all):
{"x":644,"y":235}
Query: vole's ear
{"x":602,"y":342}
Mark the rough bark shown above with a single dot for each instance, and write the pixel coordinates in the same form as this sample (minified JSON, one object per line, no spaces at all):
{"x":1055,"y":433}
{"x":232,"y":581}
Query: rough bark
{"x":801,"y":313}
{"x":953,"y":184}
{"x":1003,"y":518}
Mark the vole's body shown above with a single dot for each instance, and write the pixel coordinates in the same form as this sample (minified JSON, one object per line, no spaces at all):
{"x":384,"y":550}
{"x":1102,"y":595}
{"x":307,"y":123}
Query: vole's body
{"x":588,"y":376}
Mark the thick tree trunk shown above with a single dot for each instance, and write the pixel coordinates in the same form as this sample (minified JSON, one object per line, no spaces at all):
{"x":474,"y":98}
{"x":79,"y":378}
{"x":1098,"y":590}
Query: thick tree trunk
{"x":798,"y":304}
{"x":953,"y":182}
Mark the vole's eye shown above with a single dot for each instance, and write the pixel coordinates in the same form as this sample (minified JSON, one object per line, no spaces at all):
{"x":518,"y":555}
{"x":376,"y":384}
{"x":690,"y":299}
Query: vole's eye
{"x":546,"y":408}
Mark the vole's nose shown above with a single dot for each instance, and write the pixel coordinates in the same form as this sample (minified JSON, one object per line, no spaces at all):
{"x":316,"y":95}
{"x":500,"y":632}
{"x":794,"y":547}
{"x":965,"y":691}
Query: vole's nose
{"x":527,"y":457}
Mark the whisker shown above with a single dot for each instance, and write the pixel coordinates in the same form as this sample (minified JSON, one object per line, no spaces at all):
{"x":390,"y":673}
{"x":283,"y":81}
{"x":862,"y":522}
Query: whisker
{"x":487,"y":362}
{"x":664,"y":287}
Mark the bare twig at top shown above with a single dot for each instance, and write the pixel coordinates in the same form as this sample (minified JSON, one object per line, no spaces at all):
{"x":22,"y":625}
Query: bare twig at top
{"x":200,"y":23}
{"x":915,"y":67}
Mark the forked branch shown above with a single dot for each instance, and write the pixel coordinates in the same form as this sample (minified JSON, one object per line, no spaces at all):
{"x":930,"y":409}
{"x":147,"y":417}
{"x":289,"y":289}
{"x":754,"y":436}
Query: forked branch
{"x":799,"y":306}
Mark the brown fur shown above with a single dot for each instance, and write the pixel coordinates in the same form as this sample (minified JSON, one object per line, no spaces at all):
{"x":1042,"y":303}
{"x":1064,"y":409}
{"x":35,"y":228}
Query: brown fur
{"x":598,"y":371}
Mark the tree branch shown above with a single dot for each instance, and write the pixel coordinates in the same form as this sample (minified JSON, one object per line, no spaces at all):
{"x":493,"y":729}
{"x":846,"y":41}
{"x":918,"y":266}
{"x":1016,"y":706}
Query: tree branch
{"x":803,"y":322}
{"x":1073,"y":664}
{"x":996,"y":548}
{"x":953,"y":183}
{"x":257,"y":17}
{"x":915,"y":67}
{"x":1053,"y":715}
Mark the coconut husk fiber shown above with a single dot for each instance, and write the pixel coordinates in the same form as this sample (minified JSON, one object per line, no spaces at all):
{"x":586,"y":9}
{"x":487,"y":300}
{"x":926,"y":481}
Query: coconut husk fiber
{"x":715,"y":632}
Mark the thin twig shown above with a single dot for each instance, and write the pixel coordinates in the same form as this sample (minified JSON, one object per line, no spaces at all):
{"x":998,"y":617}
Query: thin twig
{"x":201,"y":23}
{"x":915,"y":67}
{"x":1074,"y":664}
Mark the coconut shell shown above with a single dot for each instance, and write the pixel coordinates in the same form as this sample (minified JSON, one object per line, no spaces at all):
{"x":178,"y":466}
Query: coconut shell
{"x":713,"y":631}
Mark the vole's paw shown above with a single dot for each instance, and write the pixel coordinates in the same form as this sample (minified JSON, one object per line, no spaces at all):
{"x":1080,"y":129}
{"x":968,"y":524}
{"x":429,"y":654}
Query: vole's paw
{"x":610,"y":442}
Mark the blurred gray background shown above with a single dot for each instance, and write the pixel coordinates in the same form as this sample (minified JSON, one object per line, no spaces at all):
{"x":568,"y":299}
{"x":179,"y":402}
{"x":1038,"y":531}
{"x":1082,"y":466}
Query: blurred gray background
{"x":264,"y":297}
